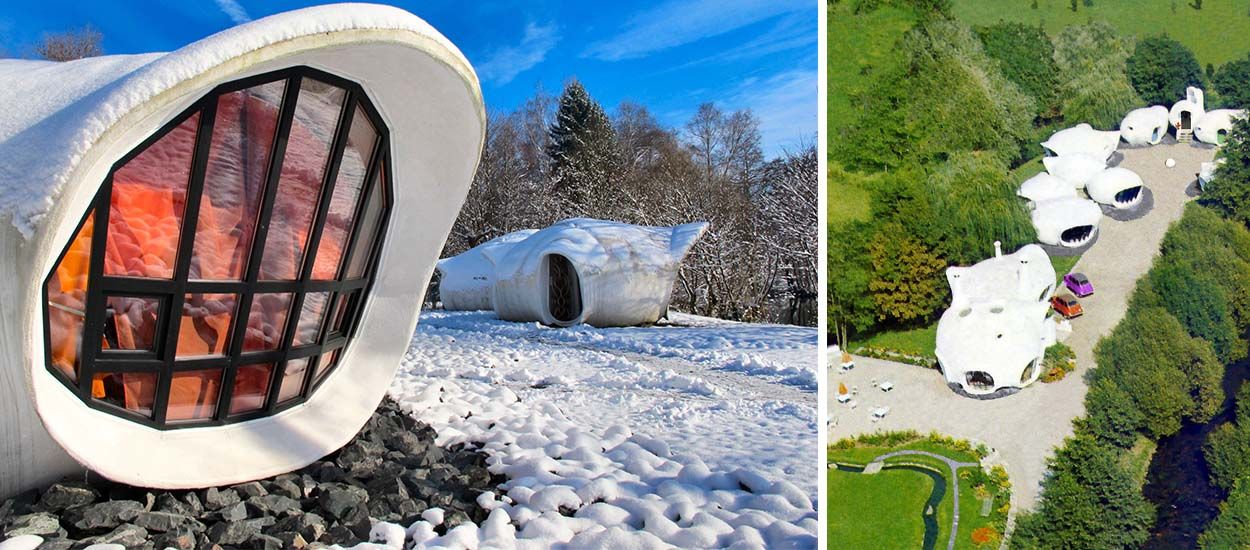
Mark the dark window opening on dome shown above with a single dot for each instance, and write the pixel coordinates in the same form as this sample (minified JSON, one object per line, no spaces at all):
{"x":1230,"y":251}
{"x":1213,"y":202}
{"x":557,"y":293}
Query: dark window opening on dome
{"x":223,"y":265}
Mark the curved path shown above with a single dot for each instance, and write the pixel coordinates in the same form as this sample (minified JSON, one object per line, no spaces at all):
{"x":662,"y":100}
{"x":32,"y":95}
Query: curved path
{"x":954,"y":465}
{"x":921,"y":401}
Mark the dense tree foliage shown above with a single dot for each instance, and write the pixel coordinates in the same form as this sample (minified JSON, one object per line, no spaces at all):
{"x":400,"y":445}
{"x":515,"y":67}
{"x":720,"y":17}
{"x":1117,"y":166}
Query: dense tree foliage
{"x":1091,"y":502}
{"x":1161,"y":68}
{"x":1026,"y":57}
{"x":851,"y":307}
{"x":1231,"y":529}
{"x":973,"y":203}
{"x":1227,"y":449}
{"x":1170,"y":375}
{"x":1232,"y":83}
{"x":1195,"y":298}
{"x":1111,"y":415}
{"x":907,"y":281}
{"x":946,"y":96}
{"x":1229,"y":191}
{"x":1094,"y":88}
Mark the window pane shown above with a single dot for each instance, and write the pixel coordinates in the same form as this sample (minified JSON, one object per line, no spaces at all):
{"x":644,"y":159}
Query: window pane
{"x":293,"y":379}
{"x":130,"y":323}
{"x":348,"y":183}
{"x":266,"y":321}
{"x":67,"y":299}
{"x":327,"y":362}
{"x":341,"y":305}
{"x":193,"y":395}
{"x":299,"y":186}
{"x":310,"y":317}
{"x":206,"y":324}
{"x":146,"y":206}
{"x":234,"y":181}
{"x":133,"y":391}
{"x":367,"y":230}
{"x":251,"y":386}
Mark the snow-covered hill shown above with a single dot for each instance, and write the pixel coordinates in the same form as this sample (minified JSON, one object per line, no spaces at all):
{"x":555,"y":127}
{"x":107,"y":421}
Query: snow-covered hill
{"x":698,"y":434}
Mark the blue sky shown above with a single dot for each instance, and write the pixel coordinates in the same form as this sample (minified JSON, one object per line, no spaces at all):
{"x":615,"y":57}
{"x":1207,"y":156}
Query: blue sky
{"x":670,"y":55}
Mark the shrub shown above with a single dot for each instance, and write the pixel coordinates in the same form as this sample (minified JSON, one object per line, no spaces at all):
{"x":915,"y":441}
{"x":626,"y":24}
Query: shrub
{"x":1232,"y":83}
{"x":1229,"y":191}
{"x":985,"y":537}
{"x":1026,"y":57}
{"x":1161,"y":68}
{"x":908,"y":282}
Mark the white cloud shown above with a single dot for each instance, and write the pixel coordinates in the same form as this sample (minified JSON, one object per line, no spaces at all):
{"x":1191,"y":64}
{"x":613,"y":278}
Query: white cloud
{"x":785,"y":104}
{"x":504,"y":64}
{"x":678,"y":22}
{"x":234,"y":11}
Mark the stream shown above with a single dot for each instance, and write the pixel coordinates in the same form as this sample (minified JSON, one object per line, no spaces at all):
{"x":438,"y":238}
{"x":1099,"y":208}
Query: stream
{"x":1178,"y":483}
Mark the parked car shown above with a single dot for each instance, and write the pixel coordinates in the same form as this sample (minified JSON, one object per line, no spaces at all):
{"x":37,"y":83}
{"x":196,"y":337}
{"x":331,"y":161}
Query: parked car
{"x":1067,"y":305}
{"x":1079,"y":284}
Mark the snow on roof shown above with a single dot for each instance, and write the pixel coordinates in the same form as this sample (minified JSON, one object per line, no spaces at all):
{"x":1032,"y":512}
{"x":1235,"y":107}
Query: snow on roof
{"x":1044,"y":186}
{"x":1051,"y":218}
{"x":1104,"y":186}
{"x":1075,"y":168}
{"x":1020,"y":275}
{"x":55,"y":113}
{"x":466,"y":279}
{"x":1145,"y":126}
{"x":1083,"y":138}
{"x":592,"y":244}
{"x":1209,"y":126}
{"x":624,"y":274}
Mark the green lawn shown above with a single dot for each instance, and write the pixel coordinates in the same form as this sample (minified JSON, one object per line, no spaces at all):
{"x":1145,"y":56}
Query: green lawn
{"x":877,"y":511}
{"x":884,"y":512}
{"x":917,"y":341}
{"x":1218,"y":33}
{"x":1137,"y":459}
{"x":860,"y":46}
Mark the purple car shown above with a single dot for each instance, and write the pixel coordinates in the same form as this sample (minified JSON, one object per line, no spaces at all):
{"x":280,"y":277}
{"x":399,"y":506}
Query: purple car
{"x":1079,"y":284}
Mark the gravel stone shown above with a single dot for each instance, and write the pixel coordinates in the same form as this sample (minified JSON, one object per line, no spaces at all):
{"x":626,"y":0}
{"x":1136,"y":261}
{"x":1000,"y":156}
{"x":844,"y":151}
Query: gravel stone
{"x":39,"y":523}
{"x":104,"y":515}
{"x":67,"y":494}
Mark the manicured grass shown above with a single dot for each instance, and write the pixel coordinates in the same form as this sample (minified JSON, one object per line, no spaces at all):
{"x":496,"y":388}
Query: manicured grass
{"x":859,"y":47}
{"x":1063,"y":264}
{"x":877,"y":511}
{"x":858,"y":504}
{"x":917,"y":341}
{"x":1218,"y":33}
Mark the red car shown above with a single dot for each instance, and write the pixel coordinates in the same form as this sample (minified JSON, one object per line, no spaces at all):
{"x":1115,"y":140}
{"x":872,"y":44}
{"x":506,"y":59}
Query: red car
{"x":1067,"y":305}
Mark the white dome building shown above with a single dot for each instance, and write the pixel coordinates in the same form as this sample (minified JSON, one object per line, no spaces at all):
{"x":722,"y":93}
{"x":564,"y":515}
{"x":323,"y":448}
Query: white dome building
{"x":1082,"y":139}
{"x":1044,"y":187}
{"x":995,"y":333}
{"x":1069,"y":222}
{"x":1077,"y":168}
{"x":1186,"y":112}
{"x":1117,"y":187}
{"x":203,"y":280}
{"x":466,"y":281}
{"x":1214,"y":126}
{"x":1145,"y":126}
{"x":597,"y":272}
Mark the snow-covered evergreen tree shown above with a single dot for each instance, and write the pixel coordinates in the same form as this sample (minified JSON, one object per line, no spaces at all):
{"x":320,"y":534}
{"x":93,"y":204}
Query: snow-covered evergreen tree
{"x":585,"y":165}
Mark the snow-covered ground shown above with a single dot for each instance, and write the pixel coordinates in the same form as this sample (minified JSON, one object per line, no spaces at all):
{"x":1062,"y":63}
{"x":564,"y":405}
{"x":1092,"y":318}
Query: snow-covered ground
{"x":698,"y":434}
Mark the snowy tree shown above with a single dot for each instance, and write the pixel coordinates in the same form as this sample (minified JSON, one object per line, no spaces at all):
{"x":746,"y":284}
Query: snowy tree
{"x":70,"y":45}
{"x":788,"y":208}
{"x":584,"y":161}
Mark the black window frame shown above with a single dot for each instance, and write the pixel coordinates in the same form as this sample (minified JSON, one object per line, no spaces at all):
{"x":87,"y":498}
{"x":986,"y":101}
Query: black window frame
{"x":173,"y":291}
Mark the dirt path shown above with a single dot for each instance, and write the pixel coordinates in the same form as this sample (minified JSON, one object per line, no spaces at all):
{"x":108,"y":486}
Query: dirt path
{"x":1023,"y":429}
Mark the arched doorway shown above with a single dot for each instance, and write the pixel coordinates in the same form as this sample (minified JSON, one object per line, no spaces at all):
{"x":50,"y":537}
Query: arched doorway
{"x":1186,"y":120}
{"x":564,"y":289}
